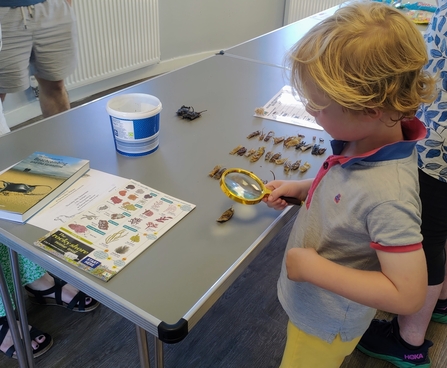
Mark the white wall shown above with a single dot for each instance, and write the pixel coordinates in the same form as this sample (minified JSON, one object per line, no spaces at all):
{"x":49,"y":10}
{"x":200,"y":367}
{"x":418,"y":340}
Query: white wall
{"x":190,"y":30}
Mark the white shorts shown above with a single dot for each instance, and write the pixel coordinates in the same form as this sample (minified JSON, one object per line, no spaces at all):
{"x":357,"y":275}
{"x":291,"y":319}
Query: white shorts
{"x":38,"y":40}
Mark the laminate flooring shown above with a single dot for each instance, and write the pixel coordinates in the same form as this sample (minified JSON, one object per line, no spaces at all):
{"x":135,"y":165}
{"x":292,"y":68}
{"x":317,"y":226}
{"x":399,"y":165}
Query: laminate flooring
{"x":244,"y":329}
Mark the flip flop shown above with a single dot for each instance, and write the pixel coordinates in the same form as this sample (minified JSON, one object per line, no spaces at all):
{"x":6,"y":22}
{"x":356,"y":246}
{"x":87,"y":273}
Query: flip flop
{"x":77,"y":304}
{"x":33,"y":333}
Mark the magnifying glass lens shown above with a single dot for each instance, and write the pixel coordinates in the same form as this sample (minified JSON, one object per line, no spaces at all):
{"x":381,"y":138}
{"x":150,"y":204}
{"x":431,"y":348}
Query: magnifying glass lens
{"x":243,"y":186}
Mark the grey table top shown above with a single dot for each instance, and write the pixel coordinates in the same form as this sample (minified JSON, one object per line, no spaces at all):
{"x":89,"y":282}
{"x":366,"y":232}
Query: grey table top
{"x":184,"y":272}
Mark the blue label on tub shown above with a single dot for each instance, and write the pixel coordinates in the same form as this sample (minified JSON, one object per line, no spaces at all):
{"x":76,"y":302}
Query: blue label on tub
{"x":145,"y":128}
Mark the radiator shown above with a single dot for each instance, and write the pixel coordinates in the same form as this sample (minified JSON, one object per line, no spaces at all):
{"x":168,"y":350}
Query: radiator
{"x":299,"y":9}
{"x":115,"y":37}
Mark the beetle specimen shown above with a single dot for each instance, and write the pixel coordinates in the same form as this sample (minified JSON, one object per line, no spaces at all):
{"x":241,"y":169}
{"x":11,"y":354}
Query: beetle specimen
{"x":269,"y":135}
{"x":218,"y":175}
{"x":291,"y":141}
{"x":277,"y":140}
{"x":305,"y":147}
{"x":241,"y":151}
{"x":187,"y":112}
{"x":250,"y":152}
{"x":287,"y":166}
{"x":281,"y":161}
{"x":228,"y":214}
{"x":254,"y":134}
{"x":305,"y":167}
{"x":296,"y":165}
{"x":214,"y":171}
{"x":257,"y":155}
{"x":268,"y":155}
{"x":316,"y":150}
{"x":275,"y":157}
{"x":234,"y":151}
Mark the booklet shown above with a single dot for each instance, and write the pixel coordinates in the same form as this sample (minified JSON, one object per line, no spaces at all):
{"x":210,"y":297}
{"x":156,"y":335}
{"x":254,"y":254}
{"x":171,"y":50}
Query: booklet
{"x":31,"y":184}
{"x":106,"y":236}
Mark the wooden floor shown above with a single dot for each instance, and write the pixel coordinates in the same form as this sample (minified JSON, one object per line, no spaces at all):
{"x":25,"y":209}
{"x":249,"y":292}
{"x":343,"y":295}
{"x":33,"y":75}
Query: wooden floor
{"x":244,"y":329}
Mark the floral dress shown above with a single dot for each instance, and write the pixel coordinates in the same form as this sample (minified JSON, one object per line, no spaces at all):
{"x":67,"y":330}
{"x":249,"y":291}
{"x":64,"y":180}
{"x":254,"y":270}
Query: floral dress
{"x":433,"y":149}
{"x":29,"y":272}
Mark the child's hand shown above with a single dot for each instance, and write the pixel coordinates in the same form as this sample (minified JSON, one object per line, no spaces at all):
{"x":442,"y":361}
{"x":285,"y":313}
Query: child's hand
{"x":299,"y":262}
{"x":286,"y":188}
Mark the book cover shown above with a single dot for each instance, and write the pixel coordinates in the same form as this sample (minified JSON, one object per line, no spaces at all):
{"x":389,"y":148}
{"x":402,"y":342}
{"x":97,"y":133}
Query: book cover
{"x":31,"y":184}
{"x":106,"y":236}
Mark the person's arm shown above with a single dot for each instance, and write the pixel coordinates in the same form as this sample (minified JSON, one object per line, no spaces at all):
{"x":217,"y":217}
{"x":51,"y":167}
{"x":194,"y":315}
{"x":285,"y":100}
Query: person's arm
{"x":286,"y":188}
{"x":399,"y":288}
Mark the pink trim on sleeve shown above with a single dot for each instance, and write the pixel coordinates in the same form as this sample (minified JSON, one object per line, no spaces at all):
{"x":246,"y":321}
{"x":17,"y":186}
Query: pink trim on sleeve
{"x":396,"y":249}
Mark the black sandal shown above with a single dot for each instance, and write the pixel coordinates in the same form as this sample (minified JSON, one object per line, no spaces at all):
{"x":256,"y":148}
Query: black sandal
{"x":33,"y":333}
{"x":77,"y":304}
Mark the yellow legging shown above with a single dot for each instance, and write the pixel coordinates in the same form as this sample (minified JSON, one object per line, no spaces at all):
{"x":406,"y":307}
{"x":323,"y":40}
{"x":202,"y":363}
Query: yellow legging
{"x":307,"y":351}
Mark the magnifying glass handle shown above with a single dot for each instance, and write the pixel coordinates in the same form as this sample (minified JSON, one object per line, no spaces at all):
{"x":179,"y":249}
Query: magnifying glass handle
{"x":292,"y":200}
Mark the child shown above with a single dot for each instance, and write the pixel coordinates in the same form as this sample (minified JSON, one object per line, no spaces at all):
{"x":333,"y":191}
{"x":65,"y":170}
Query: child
{"x":356,"y":243}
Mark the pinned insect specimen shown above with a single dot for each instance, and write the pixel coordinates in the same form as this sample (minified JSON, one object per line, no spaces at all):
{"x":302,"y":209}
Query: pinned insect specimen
{"x":299,"y":145}
{"x":214,"y":170}
{"x":241,"y":151}
{"x":275,"y":157}
{"x":268,"y":155}
{"x":292,"y":141}
{"x":305,"y":167}
{"x":218,"y":175}
{"x":183,"y":110}
{"x":234,"y":151}
{"x":187,"y":112}
{"x":306,"y":147}
{"x":228,"y":214}
{"x":262,"y":136}
{"x":287,"y":166}
{"x":277,"y":140}
{"x":281,"y":161}
{"x":269,"y":135}
{"x":254,"y":134}
{"x":296,"y":165}
{"x":260,"y":111}
{"x":258,"y":154}
{"x":250,"y":152}
{"x":321,"y":140}
{"x":316,"y":150}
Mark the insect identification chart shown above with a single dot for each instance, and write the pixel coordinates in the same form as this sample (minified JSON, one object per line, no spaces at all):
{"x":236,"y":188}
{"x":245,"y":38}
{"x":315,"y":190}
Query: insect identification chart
{"x":284,"y":107}
{"x":106,"y":236}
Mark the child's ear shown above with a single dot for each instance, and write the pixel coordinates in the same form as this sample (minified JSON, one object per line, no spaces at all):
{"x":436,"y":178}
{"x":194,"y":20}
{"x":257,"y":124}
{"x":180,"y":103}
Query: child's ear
{"x":373,"y":113}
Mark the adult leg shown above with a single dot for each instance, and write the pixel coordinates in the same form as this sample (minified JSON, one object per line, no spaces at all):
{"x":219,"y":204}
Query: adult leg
{"x":40,"y":341}
{"x":53,"y":97}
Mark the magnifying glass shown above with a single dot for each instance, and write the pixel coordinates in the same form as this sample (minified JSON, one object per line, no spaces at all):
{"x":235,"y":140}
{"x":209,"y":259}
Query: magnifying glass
{"x":245,"y":187}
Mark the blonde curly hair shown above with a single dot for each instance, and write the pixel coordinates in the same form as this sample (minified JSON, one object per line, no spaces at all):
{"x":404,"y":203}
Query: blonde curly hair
{"x":366,"y":55}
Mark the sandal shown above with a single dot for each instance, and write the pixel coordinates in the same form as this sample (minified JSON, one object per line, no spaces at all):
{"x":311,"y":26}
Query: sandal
{"x":33,"y":333}
{"x":77,"y":304}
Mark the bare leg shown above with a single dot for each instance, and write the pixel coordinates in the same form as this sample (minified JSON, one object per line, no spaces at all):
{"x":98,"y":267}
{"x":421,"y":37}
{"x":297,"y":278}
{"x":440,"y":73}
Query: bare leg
{"x":53,"y":97}
{"x":68,"y":291}
{"x":413,"y":327}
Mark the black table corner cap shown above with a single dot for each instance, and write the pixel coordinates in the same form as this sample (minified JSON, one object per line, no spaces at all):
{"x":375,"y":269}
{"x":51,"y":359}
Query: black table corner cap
{"x":174,"y":333}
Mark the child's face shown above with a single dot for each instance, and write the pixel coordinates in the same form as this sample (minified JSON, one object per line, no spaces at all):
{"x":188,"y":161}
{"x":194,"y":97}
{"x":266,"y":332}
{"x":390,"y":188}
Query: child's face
{"x":337,"y":121}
